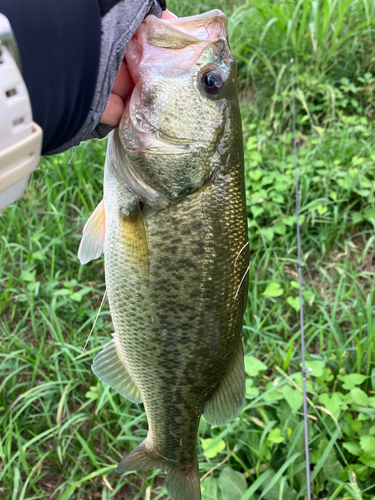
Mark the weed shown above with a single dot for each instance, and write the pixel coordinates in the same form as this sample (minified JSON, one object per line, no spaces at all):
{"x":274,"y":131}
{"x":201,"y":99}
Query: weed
{"x":63,"y":431}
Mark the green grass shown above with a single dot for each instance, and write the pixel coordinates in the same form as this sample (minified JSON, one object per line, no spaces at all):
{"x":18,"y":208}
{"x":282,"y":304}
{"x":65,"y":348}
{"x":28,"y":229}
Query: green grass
{"x":63,"y":431}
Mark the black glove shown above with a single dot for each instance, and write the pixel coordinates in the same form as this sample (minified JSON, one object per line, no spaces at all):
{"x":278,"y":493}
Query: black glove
{"x":71,"y":52}
{"x":114,"y":39}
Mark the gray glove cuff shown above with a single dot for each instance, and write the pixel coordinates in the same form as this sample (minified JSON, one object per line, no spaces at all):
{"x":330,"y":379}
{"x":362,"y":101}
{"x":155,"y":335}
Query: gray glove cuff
{"x":118,"y":25}
{"x":99,"y":132}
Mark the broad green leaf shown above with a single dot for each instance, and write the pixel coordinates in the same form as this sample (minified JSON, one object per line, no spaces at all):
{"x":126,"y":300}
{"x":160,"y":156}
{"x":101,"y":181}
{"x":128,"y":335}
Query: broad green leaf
{"x":273,"y":290}
{"x":290,"y":221}
{"x":255,"y":210}
{"x":214,"y":450}
{"x":277,"y":198}
{"x":333,"y":402}
{"x":269,"y":179}
{"x":281,"y":186}
{"x":316,"y":368}
{"x":252,"y":142}
{"x":210,"y":489}
{"x":332,"y":468}
{"x":62,"y":291}
{"x":255,"y":174}
{"x":232,"y":484}
{"x":253,"y":366}
{"x":327,"y":375}
{"x":360,"y":398}
{"x":356,"y":426}
{"x":257,"y":484}
{"x":353,"y":448}
{"x":321,"y":209}
{"x":308,"y":296}
{"x":327,"y":451}
{"x":76,"y":296}
{"x":368,"y":459}
{"x":71,"y":283}
{"x":276,"y":478}
{"x":267,"y":233}
{"x":275,"y":436}
{"x":91,"y":395}
{"x":275,"y":395}
{"x":352,"y":380}
{"x":317,"y":453}
{"x":363,"y":417}
{"x":279,"y":228}
{"x":251,"y":392}
{"x":309,"y":384}
{"x":363,"y":192}
{"x":280,"y":490}
{"x":294,"y":284}
{"x":293,"y":397}
{"x":27,"y":276}
{"x":367,"y":444}
{"x":294,"y":302}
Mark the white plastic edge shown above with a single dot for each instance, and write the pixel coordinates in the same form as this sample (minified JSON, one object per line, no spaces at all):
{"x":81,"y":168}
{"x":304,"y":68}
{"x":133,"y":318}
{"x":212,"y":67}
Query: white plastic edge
{"x":20,"y":137}
{"x":17,"y":162}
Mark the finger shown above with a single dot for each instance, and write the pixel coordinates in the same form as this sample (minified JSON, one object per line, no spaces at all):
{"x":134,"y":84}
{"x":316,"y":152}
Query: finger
{"x":114,"y":110}
{"x":123,"y":84}
{"x":167,"y":14}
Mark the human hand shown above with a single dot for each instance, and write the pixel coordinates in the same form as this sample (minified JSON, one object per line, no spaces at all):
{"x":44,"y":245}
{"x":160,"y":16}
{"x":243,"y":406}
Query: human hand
{"x":121,"y":90}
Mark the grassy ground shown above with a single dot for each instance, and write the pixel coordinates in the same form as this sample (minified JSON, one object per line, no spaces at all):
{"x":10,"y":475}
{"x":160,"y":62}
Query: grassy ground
{"x":63,"y":431}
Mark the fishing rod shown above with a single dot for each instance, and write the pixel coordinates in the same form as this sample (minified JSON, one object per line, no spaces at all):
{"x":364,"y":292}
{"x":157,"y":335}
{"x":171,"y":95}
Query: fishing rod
{"x":300,"y":266}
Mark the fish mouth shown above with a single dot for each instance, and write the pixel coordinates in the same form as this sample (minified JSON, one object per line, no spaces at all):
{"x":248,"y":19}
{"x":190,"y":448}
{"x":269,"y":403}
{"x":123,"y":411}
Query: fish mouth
{"x":166,"y":48}
{"x":147,"y":137}
{"x":177,"y":33}
{"x":143,"y":125}
{"x":190,"y":33}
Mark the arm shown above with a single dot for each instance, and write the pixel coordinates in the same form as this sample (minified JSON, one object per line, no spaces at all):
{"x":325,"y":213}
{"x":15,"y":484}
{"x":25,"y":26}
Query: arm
{"x":70,"y":54}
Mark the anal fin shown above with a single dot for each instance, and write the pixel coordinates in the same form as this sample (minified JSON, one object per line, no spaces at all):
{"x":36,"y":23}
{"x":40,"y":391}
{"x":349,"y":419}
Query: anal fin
{"x":228,"y":399}
{"x":109,"y":366}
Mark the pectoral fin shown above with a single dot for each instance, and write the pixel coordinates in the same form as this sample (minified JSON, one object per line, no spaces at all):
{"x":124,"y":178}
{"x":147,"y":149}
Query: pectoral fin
{"x":110,"y":368}
{"x":228,"y":400}
{"x":134,"y":235}
{"x":92,"y":243}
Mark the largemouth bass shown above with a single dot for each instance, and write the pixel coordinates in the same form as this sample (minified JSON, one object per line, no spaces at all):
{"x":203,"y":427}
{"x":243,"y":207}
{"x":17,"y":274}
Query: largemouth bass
{"x":173,"y":228}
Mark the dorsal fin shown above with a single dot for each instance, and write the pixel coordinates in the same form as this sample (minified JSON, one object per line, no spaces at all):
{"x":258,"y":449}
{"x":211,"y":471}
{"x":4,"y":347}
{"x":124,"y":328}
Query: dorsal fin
{"x":92,"y":243}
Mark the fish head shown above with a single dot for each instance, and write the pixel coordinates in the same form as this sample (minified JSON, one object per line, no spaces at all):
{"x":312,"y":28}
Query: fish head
{"x":179,"y":120}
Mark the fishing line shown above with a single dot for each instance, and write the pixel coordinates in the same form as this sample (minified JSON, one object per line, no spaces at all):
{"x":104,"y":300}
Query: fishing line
{"x":96,"y":319}
{"x":73,"y":155}
{"x":300,"y":265}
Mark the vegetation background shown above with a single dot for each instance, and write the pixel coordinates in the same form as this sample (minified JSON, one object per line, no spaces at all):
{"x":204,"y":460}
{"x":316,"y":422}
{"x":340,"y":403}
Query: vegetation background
{"x":63,"y":431}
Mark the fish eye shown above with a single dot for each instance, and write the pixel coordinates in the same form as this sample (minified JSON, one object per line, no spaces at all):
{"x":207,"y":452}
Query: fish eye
{"x":212,"y":82}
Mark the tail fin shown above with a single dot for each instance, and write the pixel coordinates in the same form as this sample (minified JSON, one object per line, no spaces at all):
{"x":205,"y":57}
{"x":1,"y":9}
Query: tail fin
{"x":181,"y":483}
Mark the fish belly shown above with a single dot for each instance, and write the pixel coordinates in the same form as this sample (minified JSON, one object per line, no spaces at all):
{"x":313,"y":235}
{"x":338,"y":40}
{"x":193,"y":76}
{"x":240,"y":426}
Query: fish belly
{"x":176,"y":303}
